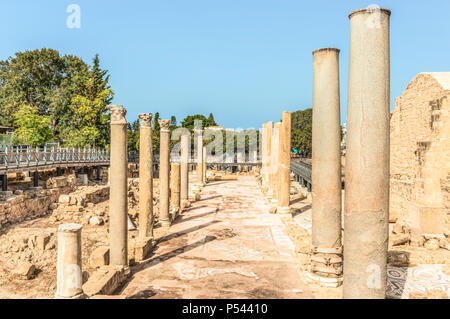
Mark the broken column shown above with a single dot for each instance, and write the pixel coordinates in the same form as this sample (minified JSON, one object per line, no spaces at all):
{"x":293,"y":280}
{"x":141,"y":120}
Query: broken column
{"x":175,"y":183}
{"x":326,"y":259}
{"x":284,"y":170}
{"x":184,"y":174}
{"x":164,"y":216}
{"x":118,"y":205}
{"x":68,"y":266}
{"x":367,"y":158}
{"x":143,"y":246}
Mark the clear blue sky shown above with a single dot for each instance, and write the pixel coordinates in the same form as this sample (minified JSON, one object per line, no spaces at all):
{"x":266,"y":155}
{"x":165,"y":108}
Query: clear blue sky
{"x":245,"y":61}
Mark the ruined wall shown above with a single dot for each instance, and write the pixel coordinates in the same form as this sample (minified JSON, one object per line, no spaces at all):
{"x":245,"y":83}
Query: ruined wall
{"x":420,"y":151}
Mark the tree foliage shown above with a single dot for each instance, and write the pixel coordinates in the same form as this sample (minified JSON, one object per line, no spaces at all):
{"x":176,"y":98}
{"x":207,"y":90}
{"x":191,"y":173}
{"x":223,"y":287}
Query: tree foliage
{"x":33,"y":129}
{"x":301,"y":131}
{"x":62,"y":90}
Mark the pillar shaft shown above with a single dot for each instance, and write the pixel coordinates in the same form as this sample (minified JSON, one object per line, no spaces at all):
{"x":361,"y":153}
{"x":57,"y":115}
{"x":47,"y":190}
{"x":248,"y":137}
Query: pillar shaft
{"x":264,"y":154}
{"x":199,"y":157}
{"x":326,"y":163}
{"x":118,"y":206}
{"x":284,"y":171}
{"x":367,"y":158}
{"x":164,"y":216}
{"x":204,"y":165}
{"x":269,"y":173}
{"x":68,"y":266}
{"x":275,"y":162}
{"x":175,"y":183}
{"x":145,"y":177}
{"x":185,"y":154}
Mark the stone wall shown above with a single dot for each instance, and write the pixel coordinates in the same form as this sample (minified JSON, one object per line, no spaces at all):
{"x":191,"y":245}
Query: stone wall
{"x":420,"y":153}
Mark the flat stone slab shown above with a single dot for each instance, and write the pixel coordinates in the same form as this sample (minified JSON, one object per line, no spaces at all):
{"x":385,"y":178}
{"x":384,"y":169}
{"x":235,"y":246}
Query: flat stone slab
{"x":105,"y":281}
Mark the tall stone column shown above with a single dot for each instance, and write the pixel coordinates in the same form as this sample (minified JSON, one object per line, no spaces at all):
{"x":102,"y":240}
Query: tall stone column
{"x":367,"y":159}
{"x":204,"y":165}
{"x":185,"y":154}
{"x":284,"y":170}
{"x":326,"y":169}
{"x":269,"y":171}
{"x":175,"y":183}
{"x":275,"y":162}
{"x":118,"y":205}
{"x":199,"y":158}
{"x":164,"y":216}
{"x":68,"y":265}
{"x":145,"y":177}
{"x":263,"y":155}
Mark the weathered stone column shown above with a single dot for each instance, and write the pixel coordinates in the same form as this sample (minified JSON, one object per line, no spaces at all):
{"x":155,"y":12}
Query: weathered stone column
{"x":199,"y":158}
{"x":118,"y":205}
{"x":367,"y":158}
{"x":175,"y":183}
{"x":164,"y":216}
{"x":68,"y":267}
{"x":145,"y":177}
{"x":326,"y":169}
{"x":185,"y":154}
{"x":269,"y":127}
{"x":275,"y":162}
{"x":263,"y":155}
{"x":204,"y":165}
{"x":284,"y":171}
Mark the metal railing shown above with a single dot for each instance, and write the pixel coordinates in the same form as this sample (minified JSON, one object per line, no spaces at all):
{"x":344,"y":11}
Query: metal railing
{"x":302,"y":169}
{"x":23,"y":157}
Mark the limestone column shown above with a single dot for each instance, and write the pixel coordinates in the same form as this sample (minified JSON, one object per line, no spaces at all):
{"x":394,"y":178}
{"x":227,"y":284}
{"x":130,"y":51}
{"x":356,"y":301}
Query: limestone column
{"x":367,"y":159}
{"x":284,"y":170}
{"x":275,"y":162}
{"x":118,"y":206}
{"x":269,"y":128}
{"x":175,"y":183}
{"x":145,"y":177}
{"x":326,"y":168}
{"x":263,"y":155}
{"x":204,"y":165}
{"x":199,"y":158}
{"x":68,"y":265}
{"x":164,"y":216}
{"x":185,"y":152}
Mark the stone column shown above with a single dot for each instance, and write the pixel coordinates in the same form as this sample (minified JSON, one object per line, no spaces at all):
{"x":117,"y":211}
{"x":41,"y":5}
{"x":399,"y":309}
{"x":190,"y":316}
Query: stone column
{"x":269,"y":128}
{"x":175,"y":183}
{"x":263,"y":155}
{"x":326,"y":169}
{"x":284,"y":171}
{"x":68,"y":265}
{"x":367,"y":159}
{"x":164,"y":216}
{"x":275,"y":162}
{"x":185,"y":154}
{"x":199,"y":158}
{"x":118,"y":205}
{"x":204,"y":165}
{"x":145,"y":177}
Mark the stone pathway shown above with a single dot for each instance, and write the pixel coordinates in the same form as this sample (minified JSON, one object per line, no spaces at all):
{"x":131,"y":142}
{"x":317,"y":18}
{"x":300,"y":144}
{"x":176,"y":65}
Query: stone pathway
{"x":226,"y":246}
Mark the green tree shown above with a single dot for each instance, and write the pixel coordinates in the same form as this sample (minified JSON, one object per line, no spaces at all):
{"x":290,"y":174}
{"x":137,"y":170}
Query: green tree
{"x":189,"y":121}
{"x":133,"y":136}
{"x":33,"y":128}
{"x":301,"y":131}
{"x":211,"y":121}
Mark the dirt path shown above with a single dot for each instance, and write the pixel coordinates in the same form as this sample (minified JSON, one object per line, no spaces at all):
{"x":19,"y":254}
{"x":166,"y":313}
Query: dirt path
{"x":226,"y":246}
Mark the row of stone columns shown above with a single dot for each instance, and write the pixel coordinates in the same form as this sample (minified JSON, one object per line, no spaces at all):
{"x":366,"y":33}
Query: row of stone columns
{"x":276,"y":162}
{"x":69,"y":273}
{"x":367,"y":161}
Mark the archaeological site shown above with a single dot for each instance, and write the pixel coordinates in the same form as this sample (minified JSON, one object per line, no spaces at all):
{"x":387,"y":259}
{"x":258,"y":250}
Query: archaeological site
{"x":349,"y":202}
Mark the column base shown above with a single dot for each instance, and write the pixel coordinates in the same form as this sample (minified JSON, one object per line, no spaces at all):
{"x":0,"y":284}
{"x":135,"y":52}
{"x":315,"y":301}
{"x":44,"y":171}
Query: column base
{"x":284,"y":210}
{"x":185,"y":204}
{"x":142,"y":248}
{"x":326,"y":266}
{"x":79,"y":296}
{"x":327,"y":282}
{"x":194,"y":197}
{"x":165,"y":223}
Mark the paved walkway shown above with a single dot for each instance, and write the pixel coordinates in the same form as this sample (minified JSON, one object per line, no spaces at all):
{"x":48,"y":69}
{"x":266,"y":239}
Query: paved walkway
{"x":226,"y":246}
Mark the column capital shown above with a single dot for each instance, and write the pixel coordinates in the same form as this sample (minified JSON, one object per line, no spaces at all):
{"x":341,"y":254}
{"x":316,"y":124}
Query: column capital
{"x":164,"y":125}
{"x":146,"y":119}
{"x":118,"y":113}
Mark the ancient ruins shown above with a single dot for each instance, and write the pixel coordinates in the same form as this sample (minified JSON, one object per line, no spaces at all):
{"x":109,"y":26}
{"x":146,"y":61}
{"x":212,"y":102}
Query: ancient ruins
{"x":270,"y":225}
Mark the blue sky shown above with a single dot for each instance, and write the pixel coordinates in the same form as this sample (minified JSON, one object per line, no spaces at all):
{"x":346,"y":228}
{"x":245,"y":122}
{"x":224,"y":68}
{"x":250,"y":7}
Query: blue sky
{"x":245,"y":61}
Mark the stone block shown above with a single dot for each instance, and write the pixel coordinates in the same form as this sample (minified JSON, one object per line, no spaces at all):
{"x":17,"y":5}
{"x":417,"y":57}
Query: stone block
{"x":105,"y":280}
{"x":428,"y":220}
{"x":142,"y":249}
{"x":99,"y":257}
{"x":25,"y":270}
